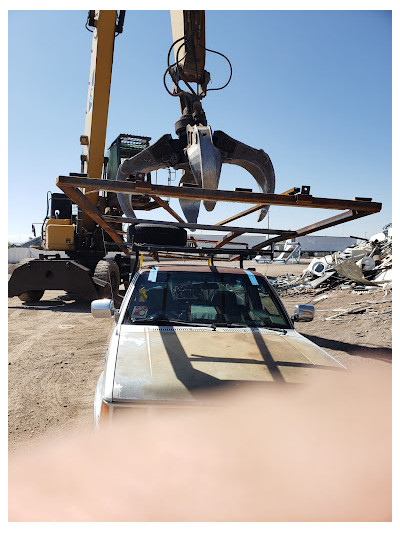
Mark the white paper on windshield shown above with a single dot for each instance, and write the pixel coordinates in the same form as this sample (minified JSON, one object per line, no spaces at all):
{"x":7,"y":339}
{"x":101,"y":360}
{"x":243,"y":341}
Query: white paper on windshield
{"x":153,"y":274}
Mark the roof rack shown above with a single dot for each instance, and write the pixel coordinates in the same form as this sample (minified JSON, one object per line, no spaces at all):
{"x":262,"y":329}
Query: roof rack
{"x":188,"y":252}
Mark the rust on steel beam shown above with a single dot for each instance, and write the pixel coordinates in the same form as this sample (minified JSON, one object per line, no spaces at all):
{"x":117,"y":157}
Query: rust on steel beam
{"x":228,"y":238}
{"x":292,"y":190}
{"x":293,"y":200}
{"x":169,"y":209}
{"x":77,"y":197}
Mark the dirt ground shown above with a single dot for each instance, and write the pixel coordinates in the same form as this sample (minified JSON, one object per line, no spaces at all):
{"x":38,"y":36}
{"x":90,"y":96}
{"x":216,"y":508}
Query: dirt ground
{"x":56,"y":351}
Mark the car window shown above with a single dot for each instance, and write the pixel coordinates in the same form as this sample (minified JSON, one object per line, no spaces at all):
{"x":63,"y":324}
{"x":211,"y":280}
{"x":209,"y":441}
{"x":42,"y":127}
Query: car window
{"x":205,"y":297}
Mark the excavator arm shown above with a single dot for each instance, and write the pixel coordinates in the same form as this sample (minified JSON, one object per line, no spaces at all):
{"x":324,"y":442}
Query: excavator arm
{"x":198,"y":152}
{"x":106,"y":24}
{"x":189,"y":36}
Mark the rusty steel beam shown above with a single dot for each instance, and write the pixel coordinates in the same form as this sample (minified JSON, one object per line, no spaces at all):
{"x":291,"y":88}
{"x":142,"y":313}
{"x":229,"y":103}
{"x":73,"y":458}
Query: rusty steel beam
{"x":169,"y":209}
{"x":347,"y":216}
{"x":78,"y":197}
{"x":240,"y":215}
{"x":293,"y":190}
{"x":228,"y":238}
{"x":329,"y":222}
{"x":212,"y":241}
{"x":293,"y":200}
{"x":192,"y":226}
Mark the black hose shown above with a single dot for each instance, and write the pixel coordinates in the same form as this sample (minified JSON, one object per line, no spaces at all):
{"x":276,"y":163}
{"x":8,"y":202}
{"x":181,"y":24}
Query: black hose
{"x":186,"y":40}
{"x":230,"y":66}
{"x":47,"y":214}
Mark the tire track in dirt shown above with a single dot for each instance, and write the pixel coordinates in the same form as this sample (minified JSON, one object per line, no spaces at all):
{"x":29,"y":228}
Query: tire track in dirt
{"x":56,"y":354}
{"x":51,"y":324}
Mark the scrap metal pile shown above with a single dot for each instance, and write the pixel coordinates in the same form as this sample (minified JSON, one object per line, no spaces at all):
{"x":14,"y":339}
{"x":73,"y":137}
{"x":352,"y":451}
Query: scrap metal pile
{"x":363,"y":267}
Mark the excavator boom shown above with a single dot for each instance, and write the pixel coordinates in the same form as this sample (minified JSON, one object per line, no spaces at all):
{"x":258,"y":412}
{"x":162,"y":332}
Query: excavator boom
{"x":105,"y":27}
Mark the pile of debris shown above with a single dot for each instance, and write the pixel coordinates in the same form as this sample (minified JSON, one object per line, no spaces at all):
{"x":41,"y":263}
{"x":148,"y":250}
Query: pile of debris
{"x":365,"y":307}
{"x":362,"y":267}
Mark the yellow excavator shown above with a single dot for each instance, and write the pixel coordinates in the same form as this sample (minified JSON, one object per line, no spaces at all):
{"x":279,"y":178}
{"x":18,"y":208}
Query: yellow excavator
{"x":198,"y":152}
{"x":66,"y":228}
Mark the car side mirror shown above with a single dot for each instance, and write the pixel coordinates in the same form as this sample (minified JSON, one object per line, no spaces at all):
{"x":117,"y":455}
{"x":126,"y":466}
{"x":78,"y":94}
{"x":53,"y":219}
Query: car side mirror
{"x":303,"y":313}
{"x":102,"y":308}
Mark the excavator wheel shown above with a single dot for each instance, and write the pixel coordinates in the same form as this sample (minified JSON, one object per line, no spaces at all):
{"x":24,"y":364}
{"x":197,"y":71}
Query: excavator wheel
{"x":107,"y":271}
{"x":31,"y":296}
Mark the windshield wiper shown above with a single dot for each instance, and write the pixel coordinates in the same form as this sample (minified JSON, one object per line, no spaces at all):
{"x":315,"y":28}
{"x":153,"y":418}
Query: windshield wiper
{"x":237,"y":325}
{"x":230,"y":325}
{"x":214,"y":326}
{"x":279,"y":330}
{"x":169,"y":322}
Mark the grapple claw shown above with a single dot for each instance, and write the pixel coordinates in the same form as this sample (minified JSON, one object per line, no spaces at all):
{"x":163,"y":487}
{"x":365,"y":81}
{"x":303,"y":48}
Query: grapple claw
{"x":201,"y":162}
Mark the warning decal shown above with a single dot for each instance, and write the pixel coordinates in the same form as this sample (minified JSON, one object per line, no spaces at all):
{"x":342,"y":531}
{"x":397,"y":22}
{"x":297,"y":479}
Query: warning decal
{"x":139,"y":311}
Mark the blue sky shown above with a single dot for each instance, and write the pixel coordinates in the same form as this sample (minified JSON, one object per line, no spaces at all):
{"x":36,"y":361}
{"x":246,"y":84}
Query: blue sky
{"x":311,"y":88}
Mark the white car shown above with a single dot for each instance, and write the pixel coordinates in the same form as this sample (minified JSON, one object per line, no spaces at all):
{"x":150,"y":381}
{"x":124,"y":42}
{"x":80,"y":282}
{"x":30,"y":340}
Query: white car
{"x":185,"y":329}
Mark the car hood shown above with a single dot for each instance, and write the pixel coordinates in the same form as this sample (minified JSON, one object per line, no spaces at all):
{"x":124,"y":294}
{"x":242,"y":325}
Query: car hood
{"x":174,"y":363}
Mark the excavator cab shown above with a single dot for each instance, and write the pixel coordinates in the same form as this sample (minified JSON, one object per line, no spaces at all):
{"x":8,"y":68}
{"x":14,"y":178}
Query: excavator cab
{"x":58,"y":231}
{"x":123,"y":147}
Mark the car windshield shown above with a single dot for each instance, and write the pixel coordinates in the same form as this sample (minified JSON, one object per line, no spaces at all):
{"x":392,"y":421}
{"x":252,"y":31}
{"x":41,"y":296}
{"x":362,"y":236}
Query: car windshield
{"x":211,"y":297}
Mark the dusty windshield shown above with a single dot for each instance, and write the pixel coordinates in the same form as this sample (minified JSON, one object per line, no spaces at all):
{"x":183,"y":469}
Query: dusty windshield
{"x":204,"y":298}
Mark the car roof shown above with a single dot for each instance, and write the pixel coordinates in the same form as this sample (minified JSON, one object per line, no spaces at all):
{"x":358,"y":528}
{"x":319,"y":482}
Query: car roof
{"x":199,"y":268}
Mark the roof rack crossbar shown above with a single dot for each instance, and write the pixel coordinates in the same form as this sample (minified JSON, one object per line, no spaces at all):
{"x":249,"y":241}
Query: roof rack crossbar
{"x":238,"y":253}
{"x":201,"y":250}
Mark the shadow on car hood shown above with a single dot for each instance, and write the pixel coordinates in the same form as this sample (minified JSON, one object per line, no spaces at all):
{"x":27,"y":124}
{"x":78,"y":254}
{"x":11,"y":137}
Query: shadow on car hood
{"x":174,"y":363}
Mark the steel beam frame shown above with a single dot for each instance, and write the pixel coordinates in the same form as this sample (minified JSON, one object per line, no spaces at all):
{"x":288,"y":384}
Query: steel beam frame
{"x":295,"y":197}
{"x":197,"y":193}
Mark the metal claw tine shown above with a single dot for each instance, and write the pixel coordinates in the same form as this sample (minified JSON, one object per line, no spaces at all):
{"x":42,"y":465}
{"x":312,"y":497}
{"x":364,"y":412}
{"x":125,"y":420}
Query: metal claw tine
{"x":190,"y":208}
{"x":163,"y":153}
{"x":204,"y":158}
{"x":256,"y":162}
